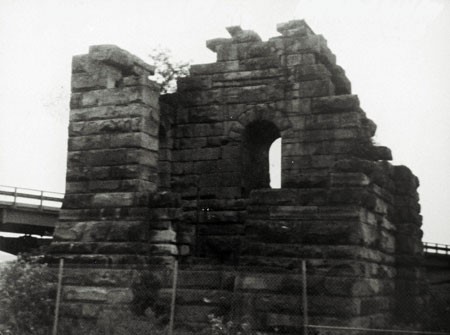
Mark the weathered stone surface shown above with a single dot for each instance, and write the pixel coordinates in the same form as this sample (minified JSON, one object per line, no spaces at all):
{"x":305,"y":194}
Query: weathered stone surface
{"x":187,"y":174}
{"x":294,"y":27}
{"x":111,"y":54}
{"x":335,"y":103}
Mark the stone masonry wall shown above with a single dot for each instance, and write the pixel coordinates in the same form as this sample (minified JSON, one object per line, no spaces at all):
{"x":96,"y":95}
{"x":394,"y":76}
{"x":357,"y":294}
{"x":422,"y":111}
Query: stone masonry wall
{"x":187,"y":174}
{"x":342,"y":207}
{"x":261,"y":90}
{"x":113,"y":224}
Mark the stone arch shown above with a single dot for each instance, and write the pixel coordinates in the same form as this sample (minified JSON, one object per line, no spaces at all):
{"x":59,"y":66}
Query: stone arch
{"x":260,"y":113}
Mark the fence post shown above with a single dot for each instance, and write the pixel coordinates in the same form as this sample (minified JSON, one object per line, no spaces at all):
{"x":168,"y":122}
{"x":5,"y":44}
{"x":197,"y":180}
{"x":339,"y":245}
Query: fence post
{"x":304,"y":299}
{"x":58,"y":297}
{"x":197,"y":219}
{"x":174,"y":296}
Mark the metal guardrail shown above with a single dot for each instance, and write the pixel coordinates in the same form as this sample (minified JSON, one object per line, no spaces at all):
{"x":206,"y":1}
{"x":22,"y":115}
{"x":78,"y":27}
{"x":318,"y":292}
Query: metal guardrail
{"x":27,"y":197}
{"x":436,"y":248}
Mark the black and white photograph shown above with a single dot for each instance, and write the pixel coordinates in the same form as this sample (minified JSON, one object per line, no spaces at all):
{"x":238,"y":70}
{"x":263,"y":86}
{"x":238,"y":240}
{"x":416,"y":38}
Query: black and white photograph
{"x":224,"y":167}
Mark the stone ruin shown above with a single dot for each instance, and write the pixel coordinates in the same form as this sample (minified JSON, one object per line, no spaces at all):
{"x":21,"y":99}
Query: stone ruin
{"x":185,"y":176}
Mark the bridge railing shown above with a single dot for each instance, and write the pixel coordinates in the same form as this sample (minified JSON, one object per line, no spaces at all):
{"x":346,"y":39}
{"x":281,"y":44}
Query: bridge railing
{"x":436,"y":248}
{"x":27,"y":197}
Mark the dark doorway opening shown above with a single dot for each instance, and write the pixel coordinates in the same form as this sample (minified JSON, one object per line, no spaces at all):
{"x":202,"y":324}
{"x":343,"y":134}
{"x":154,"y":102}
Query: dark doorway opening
{"x":257,"y":140}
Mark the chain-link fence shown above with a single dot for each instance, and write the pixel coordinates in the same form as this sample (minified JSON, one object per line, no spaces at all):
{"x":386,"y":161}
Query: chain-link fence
{"x":213,"y":299}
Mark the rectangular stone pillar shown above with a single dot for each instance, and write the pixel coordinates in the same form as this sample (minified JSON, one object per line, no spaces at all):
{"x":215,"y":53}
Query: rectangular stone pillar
{"x":113,"y":224}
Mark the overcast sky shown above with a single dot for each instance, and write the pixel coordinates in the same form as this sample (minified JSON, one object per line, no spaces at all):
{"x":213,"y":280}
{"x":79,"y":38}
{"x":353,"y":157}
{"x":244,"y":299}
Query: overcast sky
{"x":395,"y":53}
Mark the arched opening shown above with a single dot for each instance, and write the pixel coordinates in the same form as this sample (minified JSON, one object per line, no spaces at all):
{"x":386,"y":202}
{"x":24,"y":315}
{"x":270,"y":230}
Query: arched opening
{"x":275,"y":163}
{"x":257,"y":140}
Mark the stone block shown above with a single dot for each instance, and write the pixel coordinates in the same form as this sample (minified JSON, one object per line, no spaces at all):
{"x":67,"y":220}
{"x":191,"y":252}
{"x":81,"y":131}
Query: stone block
{"x":110,"y":126}
{"x":312,"y":88}
{"x":206,"y":154}
{"x":194,"y":83}
{"x":206,"y":114}
{"x":214,"y":43}
{"x":256,"y":93}
{"x":101,"y":79}
{"x":112,"y":112}
{"x":66,"y":231}
{"x":72,"y":247}
{"x":164,"y":213}
{"x":80,"y":63}
{"x":259,"y":63}
{"x":89,"y":142}
{"x":245,"y":50}
{"x":113,"y":199}
{"x":202,"y":167}
{"x":205,"y":69}
{"x":333,"y":120}
{"x":96,"y":231}
{"x":190,"y":142}
{"x":115,"y":96}
{"x":241,"y":36}
{"x":349,"y":179}
{"x":199,"y":130}
{"x":101,"y":277}
{"x":335,"y":103}
{"x":162,"y":236}
{"x":301,"y":59}
{"x":127,"y":231}
{"x":297,"y":106}
{"x":294,"y":27}
{"x":134,"y":140}
{"x":122,"y":248}
{"x":245,"y":77}
{"x":113,"y":55}
{"x":309,"y":43}
{"x":139,"y":80}
{"x":340,"y":81}
{"x":310,"y":72}
{"x":222,"y":192}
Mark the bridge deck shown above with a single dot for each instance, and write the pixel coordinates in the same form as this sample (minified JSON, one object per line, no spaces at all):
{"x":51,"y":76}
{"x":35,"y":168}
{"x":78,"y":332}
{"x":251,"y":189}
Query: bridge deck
{"x":28,"y":211}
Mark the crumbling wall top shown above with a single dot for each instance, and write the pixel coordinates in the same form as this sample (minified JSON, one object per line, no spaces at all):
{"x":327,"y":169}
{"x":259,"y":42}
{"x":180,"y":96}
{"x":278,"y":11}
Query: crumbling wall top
{"x":115,"y":56}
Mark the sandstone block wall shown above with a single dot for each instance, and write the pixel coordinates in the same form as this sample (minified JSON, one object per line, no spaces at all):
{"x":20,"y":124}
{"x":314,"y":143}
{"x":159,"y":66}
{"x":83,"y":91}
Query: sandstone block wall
{"x":114,"y":223}
{"x":187,"y":175}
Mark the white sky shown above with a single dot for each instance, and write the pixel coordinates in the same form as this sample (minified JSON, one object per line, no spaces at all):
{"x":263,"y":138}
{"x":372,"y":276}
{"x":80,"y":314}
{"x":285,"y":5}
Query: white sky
{"x":396,"y":54}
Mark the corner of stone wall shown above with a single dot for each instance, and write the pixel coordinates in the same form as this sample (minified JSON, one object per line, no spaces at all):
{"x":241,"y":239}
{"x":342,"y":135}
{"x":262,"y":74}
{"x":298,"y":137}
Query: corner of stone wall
{"x":114,"y":225}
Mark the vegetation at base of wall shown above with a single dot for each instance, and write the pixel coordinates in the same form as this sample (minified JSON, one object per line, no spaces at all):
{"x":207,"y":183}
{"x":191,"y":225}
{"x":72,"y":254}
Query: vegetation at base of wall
{"x":147,"y":300}
{"x":116,"y":324}
{"x":27,"y":295}
{"x":217,"y":326}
